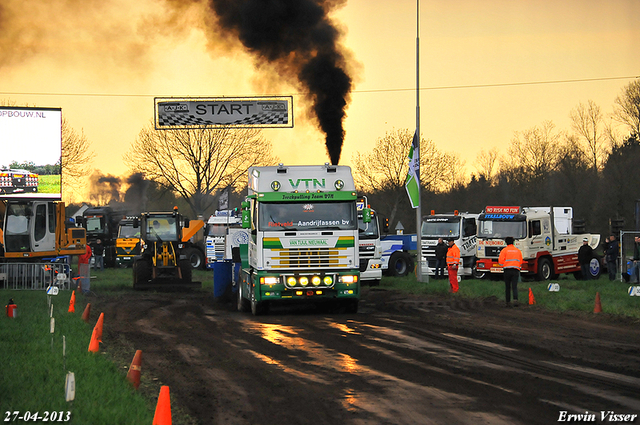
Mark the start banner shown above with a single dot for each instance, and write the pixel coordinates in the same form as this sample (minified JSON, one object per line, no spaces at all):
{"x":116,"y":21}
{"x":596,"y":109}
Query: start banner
{"x":262,"y":112}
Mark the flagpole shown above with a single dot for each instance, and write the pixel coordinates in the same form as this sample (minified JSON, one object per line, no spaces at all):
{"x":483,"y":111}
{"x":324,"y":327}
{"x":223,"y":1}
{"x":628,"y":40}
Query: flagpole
{"x":417,"y":153}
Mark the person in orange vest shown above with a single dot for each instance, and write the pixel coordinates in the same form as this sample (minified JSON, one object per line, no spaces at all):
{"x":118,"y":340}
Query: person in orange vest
{"x":510,"y":260}
{"x":453,"y":259}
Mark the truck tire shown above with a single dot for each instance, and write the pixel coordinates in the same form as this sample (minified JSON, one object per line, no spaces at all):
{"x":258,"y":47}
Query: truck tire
{"x":185,"y":270}
{"x":243,"y":303}
{"x":196,"y":258}
{"x":258,"y":308}
{"x":141,"y":273}
{"x":545,"y":269}
{"x":400,"y":264}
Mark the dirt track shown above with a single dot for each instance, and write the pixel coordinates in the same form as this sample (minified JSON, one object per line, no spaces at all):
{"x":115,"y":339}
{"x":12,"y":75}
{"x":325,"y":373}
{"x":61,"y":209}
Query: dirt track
{"x":400,"y":360}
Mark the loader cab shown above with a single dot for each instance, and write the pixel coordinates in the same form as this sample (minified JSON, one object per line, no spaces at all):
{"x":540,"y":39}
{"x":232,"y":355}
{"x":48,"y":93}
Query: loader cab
{"x":161,"y":228}
{"x":29,"y":226}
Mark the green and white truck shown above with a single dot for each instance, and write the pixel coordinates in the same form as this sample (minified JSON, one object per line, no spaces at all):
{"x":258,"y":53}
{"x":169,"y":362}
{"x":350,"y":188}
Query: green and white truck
{"x":303,"y":242}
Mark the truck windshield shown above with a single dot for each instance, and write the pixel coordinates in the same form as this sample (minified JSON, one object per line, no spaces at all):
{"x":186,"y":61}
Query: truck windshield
{"x":489,"y":229}
{"x":220,"y":229}
{"x":368,"y":230}
{"x":434,"y":228}
{"x":127,"y":231}
{"x":307,"y":216}
{"x":161,"y":229}
{"x":95,"y":223}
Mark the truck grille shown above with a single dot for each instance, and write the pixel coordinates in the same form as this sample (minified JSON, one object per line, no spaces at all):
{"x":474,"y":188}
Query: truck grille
{"x":492,"y":251}
{"x":308,"y":258}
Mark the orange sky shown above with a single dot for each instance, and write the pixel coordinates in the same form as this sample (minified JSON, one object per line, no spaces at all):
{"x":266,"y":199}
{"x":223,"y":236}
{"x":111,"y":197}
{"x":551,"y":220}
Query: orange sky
{"x":104,"y":68}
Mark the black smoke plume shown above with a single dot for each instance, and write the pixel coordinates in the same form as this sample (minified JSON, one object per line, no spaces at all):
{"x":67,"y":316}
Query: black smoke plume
{"x":297,"y":37}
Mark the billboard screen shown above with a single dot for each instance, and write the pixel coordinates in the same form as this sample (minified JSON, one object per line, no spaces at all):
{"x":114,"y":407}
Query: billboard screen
{"x":195,"y":112}
{"x":30,"y":153}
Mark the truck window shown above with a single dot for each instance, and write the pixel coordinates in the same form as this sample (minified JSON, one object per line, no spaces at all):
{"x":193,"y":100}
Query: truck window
{"x":368,"y":230}
{"x":94,"y":223}
{"x":470,"y":227}
{"x":494,"y":229}
{"x":307,"y":216}
{"x":127,"y":231}
{"x":161,"y":229}
{"x":534,"y":228}
{"x":441,"y":228}
{"x":40,"y":228}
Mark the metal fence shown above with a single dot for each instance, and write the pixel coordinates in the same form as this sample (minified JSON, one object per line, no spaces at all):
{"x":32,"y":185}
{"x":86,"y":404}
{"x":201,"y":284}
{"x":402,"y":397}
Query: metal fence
{"x":35,"y":275}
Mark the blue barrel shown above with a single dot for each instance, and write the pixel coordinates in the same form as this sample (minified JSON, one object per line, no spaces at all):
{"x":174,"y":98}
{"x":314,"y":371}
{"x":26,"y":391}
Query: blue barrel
{"x":222,"y":275}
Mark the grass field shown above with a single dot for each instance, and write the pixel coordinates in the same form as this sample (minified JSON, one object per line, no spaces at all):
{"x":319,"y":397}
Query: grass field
{"x":49,"y":183}
{"x":574,"y":295}
{"x":33,"y":368}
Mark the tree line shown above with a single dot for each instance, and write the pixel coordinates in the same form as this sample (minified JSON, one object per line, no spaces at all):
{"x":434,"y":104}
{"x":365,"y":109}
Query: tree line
{"x":592,"y":167}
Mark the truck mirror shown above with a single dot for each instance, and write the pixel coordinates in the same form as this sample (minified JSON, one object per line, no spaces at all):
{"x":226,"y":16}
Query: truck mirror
{"x":136,"y":223}
{"x":245,"y":205}
{"x":366,"y":215}
{"x":246,"y":219}
{"x":385,"y":226}
{"x":186,"y":222}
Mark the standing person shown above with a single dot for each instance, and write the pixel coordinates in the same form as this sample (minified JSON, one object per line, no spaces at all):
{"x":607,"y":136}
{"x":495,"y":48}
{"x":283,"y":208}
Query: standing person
{"x":612,"y":257}
{"x":98,"y":254}
{"x":453,"y":259}
{"x":585,"y":254}
{"x":510,"y":260}
{"x":83,"y":269}
{"x":441,"y":258}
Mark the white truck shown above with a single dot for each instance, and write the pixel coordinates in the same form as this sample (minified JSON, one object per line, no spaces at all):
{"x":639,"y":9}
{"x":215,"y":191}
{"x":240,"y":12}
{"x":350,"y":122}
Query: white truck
{"x":304,"y":237}
{"x":370,"y":247}
{"x":223,"y":233}
{"x":543,"y":235}
{"x":459,"y":226}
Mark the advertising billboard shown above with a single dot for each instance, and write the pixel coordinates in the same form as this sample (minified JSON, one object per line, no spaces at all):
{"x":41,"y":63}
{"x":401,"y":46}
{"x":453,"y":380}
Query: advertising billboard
{"x":30,"y":152}
{"x":196,"y":112}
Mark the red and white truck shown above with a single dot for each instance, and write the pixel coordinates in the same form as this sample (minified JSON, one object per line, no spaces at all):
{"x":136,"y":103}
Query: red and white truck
{"x":543,"y":234}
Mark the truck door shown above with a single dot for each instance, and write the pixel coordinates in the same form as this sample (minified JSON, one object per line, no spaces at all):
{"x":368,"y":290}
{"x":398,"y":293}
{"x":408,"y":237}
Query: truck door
{"x":44,"y":227}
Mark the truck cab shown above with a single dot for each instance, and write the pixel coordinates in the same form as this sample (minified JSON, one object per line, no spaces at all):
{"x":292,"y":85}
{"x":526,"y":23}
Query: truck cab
{"x":461,"y":227}
{"x":370,"y":248}
{"x":544,"y":235}
{"x":223,"y":233}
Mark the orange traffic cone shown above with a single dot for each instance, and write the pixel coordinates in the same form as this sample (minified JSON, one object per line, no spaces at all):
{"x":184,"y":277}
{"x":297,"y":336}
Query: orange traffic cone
{"x":94,"y":344}
{"x":87,"y":312}
{"x":134,"y":370}
{"x":598,"y":306}
{"x":72,"y":302}
{"x":163,"y":408}
{"x":99,"y":326}
{"x":532,"y":299}
{"x":96,"y":336}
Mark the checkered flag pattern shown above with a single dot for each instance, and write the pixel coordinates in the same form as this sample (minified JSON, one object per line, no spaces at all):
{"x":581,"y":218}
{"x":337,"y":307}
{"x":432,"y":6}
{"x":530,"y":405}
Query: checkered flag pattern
{"x":172,"y":119}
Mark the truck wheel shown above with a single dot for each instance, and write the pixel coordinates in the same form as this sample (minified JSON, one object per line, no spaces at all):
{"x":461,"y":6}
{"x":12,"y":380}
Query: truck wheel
{"x":243,"y":303}
{"x":186,"y":271}
{"x":258,"y":308}
{"x":478,"y":275}
{"x":196,"y":258}
{"x":400,"y":264}
{"x":141,"y":273}
{"x":545,"y":269}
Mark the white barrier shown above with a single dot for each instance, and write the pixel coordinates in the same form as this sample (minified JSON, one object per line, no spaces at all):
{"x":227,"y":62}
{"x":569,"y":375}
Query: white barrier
{"x":34,"y":276}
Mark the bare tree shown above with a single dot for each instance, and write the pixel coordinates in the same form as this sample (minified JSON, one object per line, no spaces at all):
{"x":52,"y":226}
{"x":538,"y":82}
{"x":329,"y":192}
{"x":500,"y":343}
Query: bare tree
{"x":385,"y":168}
{"x":487,"y":164}
{"x":627,"y":107}
{"x":195,"y":163}
{"x":533,"y":153}
{"x":589,"y":126}
{"x":75,"y":162}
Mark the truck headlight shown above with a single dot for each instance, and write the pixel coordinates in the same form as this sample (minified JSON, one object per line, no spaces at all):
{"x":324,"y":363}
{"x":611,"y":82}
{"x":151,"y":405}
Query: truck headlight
{"x":348,"y":279}
{"x":304,"y":281}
